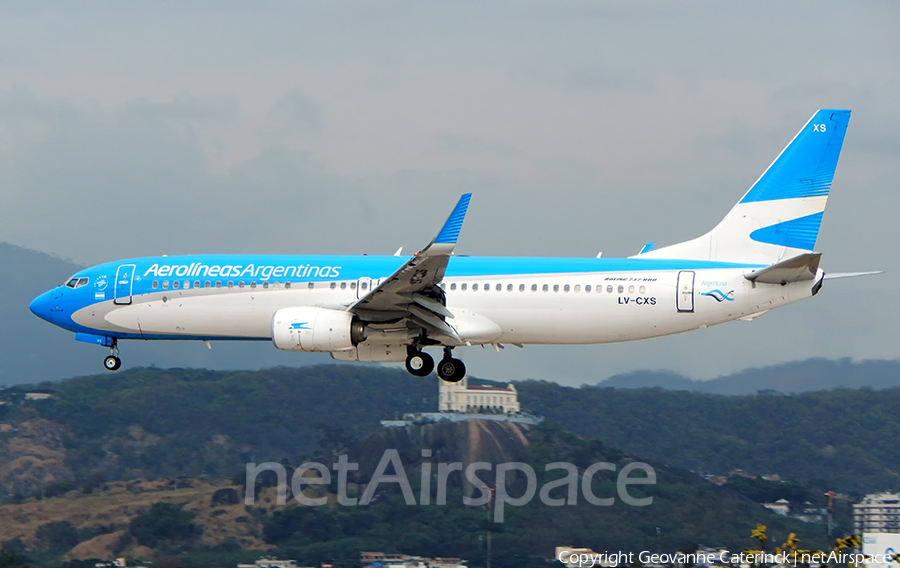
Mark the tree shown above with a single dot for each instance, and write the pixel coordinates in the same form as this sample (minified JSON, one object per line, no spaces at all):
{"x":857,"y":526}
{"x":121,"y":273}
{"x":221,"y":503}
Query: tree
{"x":164,"y":522}
{"x":60,"y":535}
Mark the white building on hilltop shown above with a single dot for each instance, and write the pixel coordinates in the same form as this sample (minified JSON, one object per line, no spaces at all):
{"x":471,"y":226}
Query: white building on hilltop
{"x":477,"y":399}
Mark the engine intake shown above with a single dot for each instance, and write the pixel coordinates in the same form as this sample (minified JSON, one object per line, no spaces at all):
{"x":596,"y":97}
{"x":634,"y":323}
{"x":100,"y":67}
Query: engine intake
{"x":316,"y":329}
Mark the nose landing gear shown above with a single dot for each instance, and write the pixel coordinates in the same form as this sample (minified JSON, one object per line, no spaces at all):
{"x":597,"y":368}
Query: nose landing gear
{"x":112,"y":363}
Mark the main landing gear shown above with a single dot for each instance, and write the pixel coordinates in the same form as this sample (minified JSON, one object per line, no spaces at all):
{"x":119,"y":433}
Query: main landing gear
{"x":112,"y":363}
{"x":418,"y":362}
{"x":421,"y":364}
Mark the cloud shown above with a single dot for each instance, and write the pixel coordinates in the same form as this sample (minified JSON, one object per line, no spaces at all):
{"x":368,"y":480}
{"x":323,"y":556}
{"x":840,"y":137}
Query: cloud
{"x":580,"y":128}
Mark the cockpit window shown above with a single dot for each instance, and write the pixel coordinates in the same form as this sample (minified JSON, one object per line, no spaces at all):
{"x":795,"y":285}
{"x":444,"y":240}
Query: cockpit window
{"x":77,"y":282}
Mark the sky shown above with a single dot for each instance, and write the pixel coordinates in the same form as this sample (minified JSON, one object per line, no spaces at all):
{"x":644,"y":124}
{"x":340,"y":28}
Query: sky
{"x":132,"y":129}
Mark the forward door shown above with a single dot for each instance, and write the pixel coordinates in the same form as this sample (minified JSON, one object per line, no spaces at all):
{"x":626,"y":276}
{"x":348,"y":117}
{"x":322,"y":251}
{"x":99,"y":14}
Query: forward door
{"x":124,"y":284}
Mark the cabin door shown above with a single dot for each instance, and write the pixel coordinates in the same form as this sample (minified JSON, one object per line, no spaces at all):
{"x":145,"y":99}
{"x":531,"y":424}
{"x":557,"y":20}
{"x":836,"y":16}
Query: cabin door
{"x":124,"y":284}
{"x":363,"y":287}
{"x":685,"y":294}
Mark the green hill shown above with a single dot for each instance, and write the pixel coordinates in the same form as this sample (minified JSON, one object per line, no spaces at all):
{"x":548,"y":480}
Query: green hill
{"x":152,"y":422}
{"x":840,"y":439}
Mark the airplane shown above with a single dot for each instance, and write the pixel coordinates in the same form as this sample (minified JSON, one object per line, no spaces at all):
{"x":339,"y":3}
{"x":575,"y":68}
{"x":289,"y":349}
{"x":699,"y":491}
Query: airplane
{"x":390,"y":308}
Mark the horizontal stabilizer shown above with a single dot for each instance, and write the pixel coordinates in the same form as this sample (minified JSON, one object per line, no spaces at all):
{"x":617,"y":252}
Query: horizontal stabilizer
{"x":796,"y":269}
{"x":837,"y":275}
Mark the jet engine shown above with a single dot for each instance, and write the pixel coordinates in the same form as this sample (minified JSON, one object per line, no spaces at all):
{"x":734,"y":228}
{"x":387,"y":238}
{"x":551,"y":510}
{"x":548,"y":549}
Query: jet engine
{"x":316,"y":329}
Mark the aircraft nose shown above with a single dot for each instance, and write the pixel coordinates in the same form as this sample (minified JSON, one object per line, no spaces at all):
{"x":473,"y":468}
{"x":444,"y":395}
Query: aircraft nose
{"x":43,"y":305}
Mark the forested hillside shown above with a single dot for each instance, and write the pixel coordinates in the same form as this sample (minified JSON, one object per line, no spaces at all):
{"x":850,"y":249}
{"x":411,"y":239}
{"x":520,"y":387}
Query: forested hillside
{"x":153,"y":422}
{"x":841,"y":439}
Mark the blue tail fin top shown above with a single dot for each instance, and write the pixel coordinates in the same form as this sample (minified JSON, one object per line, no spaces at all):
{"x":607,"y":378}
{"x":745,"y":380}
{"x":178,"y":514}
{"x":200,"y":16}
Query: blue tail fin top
{"x":805,"y":168}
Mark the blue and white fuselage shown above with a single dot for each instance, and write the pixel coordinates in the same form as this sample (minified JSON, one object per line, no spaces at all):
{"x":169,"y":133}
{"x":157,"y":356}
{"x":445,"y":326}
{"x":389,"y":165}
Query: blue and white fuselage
{"x":389,"y":308}
{"x":505,"y":300}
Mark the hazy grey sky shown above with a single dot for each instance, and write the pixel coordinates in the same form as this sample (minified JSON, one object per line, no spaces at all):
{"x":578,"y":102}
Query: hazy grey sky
{"x":131,"y":129}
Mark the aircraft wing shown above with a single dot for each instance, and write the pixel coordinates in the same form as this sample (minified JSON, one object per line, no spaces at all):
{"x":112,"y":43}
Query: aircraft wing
{"x":412,"y":291}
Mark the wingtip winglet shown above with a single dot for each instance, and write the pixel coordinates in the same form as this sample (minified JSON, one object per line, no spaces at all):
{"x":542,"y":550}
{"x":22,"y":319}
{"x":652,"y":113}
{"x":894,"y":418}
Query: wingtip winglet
{"x":450,"y":231}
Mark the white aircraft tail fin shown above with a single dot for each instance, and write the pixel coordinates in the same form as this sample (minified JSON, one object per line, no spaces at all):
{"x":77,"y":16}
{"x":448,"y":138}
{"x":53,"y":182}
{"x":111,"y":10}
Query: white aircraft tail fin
{"x":779,"y":216}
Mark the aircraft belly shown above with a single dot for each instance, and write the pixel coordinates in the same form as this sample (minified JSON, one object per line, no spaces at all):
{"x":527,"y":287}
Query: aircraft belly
{"x":225,"y":315}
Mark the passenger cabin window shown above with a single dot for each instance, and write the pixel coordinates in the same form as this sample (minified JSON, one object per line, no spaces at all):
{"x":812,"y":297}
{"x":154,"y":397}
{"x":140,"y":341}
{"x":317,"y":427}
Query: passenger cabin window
{"x":265,"y":284}
{"x":642,"y":289}
{"x":475,"y":287}
{"x":463,"y":287}
{"x":287,"y":284}
{"x":521,"y":287}
{"x":155,"y":284}
{"x":566,"y":288}
{"x":452,"y":286}
{"x":333,"y":285}
{"x":621,"y":288}
{"x":176,"y":284}
{"x":609,"y":289}
{"x":545,"y":287}
{"x":196,"y":283}
{"x":556,"y":287}
{"x":218,"y":284}
{"x":343,"y":285}
{"x":311,"y":285}
{"x":165,"y":284}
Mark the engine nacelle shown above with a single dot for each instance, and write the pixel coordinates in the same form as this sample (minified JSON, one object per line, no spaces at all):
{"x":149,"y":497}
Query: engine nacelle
{"x":316,"y":329}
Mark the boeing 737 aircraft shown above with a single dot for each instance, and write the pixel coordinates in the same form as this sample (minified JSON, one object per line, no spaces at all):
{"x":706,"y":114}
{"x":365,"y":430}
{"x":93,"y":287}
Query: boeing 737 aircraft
{"x":389,"y":309}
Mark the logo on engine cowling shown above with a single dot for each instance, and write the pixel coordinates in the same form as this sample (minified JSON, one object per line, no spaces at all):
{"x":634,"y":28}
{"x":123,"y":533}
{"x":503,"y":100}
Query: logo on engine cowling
{"x":300,"y":325}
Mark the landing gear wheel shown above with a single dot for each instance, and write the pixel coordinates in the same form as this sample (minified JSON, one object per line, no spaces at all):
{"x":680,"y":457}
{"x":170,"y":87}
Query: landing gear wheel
{"x":451,"y":370}
{"x":112,"y":363}
{"x":419,"y":363}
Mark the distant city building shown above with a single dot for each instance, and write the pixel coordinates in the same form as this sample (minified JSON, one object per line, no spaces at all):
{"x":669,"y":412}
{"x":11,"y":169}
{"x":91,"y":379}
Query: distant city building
{"x":877,"y":513}
{"x":38,"y":395}
{"x":270,"y":563}
{"x":571,"y":557}
{"x":782,"y":507}
{"x":383,"y":560}
{"x":477,"y":399}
